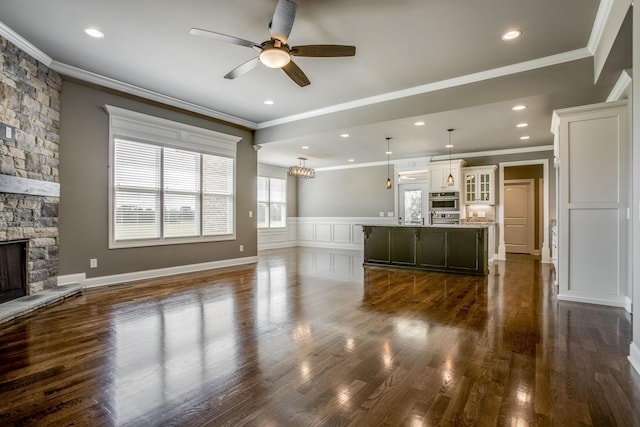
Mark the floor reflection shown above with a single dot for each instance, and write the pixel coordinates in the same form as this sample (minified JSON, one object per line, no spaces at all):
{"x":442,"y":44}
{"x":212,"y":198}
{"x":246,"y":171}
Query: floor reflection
{"x":310,"y":337}
{"x":167,"y":353}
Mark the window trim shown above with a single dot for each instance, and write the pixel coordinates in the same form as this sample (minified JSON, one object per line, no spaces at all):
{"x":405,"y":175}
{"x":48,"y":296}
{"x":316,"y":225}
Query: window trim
{"x":134,"y":126}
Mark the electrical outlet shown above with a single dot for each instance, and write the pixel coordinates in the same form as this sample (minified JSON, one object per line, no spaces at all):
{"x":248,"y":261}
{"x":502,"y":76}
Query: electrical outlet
{"x":7,"y":133}
{"x":389,"y":214}
{"x":381,"y":213}
{"x":250,"y":214}
{"x":241,"y":248}
{"x":93,"y":263}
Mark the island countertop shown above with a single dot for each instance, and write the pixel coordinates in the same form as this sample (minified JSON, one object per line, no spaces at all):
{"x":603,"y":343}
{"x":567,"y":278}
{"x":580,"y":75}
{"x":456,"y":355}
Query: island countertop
{"x":466,"y":225}
{"x":451,"y":248}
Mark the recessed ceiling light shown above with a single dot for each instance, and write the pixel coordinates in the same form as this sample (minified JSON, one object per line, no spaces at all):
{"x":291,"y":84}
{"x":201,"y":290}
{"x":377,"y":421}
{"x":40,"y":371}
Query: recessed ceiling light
{"x":351,"y":160}
{"x":522,"y":125}
{"x":519,"y":107}
{"x":418,"y":124}
{"x":525,"y":137}
{"x":448,"y":146}
{"x":510,"y":35}
{"x":388,"y":152}
{"x":344,"y":135}
{"x":94,"y":33}
{"x":306,"y":147}
{"x":268,"y":102}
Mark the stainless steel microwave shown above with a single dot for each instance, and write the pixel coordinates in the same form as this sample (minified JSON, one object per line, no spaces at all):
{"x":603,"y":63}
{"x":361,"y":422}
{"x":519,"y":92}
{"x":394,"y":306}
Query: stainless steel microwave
{"x":448,"y":201}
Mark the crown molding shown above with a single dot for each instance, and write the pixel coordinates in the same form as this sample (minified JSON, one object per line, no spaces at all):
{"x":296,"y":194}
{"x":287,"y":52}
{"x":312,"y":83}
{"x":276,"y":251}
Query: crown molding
{"x":24,"y":45}
{"x":620,"y":88}
{"x":458,"y":156}
{"x":101,"y":80}
{"x":547,"y":61}
{"x":609,"y":18}
{"x":599,"y":25}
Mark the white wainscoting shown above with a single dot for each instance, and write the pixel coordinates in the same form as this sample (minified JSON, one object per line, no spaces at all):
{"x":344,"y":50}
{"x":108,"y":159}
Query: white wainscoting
{"x":333,"y":233}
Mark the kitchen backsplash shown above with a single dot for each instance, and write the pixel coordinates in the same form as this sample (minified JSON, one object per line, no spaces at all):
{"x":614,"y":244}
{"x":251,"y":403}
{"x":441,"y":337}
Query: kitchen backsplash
{"x":480,"y":213}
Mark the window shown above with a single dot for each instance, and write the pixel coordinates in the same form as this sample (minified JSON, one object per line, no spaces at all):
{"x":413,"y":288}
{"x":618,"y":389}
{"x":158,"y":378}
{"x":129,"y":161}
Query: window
{"x":272,"y":202}
{"x":170,"y":182}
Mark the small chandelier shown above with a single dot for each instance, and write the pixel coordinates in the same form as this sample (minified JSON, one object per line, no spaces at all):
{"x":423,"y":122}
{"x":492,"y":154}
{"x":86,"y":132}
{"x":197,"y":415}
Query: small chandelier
{"x":450,"y":180}
{"x":389,"y":184}
{"x":301,"y":171}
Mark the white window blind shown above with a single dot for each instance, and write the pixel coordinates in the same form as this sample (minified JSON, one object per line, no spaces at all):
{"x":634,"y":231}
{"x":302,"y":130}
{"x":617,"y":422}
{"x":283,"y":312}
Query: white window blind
{"x":217,"y":183}
{"x":170,"y":182}
{"x":181,"y":176}
{"x":137,"y":190}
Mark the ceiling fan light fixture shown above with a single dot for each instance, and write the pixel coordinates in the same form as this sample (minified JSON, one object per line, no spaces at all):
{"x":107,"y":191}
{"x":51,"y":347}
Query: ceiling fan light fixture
{"x":274,"y":57}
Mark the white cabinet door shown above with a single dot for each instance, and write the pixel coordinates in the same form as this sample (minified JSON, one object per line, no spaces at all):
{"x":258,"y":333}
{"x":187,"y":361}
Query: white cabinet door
{"x":479,"y":185}
{"x":470,"y":187}
{"x":592,"y":213}
{"x":439,"y":175}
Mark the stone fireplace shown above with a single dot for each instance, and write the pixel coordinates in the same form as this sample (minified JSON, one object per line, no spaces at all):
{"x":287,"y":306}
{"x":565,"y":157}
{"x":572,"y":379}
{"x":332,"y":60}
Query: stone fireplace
{"x":29,"y":189}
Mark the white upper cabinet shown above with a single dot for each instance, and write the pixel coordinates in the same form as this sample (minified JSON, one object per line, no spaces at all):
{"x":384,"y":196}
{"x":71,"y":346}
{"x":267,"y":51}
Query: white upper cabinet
{"x":439,"y":173}
{"x":479,"y":185}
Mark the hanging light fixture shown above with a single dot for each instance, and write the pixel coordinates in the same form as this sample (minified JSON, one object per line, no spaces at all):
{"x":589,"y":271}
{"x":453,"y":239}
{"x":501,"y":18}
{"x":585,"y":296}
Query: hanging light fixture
{"x":301,"y":171}
{"x":389,"y":184}
{"x":450,"y":180}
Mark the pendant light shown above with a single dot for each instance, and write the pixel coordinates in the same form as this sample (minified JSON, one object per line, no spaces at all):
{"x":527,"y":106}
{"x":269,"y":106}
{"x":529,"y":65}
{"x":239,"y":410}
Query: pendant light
{"x":450,"y":181}
{"x":389,"y":184}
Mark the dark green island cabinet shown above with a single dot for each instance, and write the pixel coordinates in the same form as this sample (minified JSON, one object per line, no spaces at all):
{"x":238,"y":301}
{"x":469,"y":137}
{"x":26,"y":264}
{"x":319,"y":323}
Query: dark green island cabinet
{"x":447,"y":248}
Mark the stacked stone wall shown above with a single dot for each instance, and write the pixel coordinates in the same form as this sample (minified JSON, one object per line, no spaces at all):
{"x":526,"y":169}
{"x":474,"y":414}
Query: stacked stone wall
{"x":30,"y":102}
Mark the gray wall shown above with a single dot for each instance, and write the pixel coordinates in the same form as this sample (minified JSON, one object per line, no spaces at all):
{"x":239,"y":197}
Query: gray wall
{"x":292,"y":197}
{"x":84,"y":150}
{"x":357,"y":192}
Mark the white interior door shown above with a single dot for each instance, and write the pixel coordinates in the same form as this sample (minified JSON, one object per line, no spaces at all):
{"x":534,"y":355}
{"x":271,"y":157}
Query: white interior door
{"x":519,"y":216}
{"x":413,"y":203}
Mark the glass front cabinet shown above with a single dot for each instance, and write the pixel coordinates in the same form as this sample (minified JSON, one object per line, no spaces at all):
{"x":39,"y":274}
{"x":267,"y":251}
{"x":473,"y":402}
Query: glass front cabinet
{"x":479,"y":185}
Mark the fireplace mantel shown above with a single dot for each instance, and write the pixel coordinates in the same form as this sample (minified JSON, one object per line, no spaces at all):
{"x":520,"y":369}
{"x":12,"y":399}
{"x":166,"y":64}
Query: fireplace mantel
{"x":32,"y":187}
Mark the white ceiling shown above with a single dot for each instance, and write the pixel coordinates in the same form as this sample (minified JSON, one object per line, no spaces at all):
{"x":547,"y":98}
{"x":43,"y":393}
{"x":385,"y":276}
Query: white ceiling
{"x":405,"y":49}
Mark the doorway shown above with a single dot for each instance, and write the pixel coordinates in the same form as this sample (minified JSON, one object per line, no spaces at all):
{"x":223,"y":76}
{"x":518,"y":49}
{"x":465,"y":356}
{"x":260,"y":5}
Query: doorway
{"x":519,"y":216}
{"x":413,"y":203}
{"x":538,"y":171}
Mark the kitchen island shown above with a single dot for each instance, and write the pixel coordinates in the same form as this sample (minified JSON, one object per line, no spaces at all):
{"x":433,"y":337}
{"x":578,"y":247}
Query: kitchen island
{"x":445,"y":248}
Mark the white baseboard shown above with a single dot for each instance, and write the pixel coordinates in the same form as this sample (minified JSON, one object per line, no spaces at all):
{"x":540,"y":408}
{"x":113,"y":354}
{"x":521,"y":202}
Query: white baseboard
{"x":277,"y":245}
{"x":93,"y":282}
{"x":72,"y":279}
{"x":628,"y":304}
{"x":618,"y":302}
{"x":329,"y":245}
{"x":634,"y":356}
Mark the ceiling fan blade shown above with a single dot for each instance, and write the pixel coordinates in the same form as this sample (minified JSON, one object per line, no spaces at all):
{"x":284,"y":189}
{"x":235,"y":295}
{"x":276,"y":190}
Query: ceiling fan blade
{"x":282,"y":21}
{"x":244,"y":68}
{"x":296,"y":74}
{"x":223,"y":38}
{"x":323,"y":50}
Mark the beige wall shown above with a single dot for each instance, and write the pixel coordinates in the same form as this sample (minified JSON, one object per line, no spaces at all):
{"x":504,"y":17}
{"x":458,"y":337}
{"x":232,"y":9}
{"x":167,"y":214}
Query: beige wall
{"x":84,"y":150}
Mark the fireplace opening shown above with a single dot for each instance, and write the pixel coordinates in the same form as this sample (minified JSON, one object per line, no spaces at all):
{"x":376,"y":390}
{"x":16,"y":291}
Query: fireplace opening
{"x":13,"y":270}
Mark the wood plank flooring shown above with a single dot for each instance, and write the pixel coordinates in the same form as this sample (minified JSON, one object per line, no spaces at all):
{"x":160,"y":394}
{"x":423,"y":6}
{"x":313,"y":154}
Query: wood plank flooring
{"x":310,"y":337}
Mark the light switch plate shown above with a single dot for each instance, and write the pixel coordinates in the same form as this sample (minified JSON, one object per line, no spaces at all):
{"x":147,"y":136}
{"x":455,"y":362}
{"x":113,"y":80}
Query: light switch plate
{"x":381,"y":213}
{"x":389,"y":214}
{"x":482,"y":214}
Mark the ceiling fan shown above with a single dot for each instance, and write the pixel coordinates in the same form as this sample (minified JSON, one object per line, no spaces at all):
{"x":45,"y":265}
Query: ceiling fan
{"x":275,"y":52}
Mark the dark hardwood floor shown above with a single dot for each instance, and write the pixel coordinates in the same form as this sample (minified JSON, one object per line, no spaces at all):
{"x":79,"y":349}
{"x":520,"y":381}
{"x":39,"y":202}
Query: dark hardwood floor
{"x":310,"y":337}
